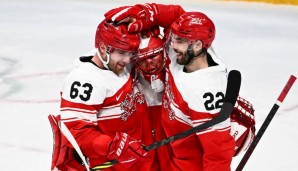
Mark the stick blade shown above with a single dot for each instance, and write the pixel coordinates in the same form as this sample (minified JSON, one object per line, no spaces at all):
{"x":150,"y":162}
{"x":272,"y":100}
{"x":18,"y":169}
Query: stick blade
{"x":233,"y":87}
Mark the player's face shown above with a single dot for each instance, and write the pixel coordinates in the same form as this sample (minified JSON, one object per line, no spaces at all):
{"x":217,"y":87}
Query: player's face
{"x":151,"y":64}
{"x":180,"y":46}
{"x":118,"y":60}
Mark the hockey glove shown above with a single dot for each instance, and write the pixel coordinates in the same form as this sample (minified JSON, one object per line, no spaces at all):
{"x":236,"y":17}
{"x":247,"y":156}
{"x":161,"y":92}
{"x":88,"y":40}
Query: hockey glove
{"x":242,"y":125}
{"x":126,"y":150}
{"x":153,"y":31}
{"x":140,"y":16}
{"x":113,"y":13}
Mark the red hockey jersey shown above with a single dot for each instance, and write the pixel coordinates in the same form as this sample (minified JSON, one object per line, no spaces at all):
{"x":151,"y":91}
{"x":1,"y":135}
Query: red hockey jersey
{"x":152,"y":89}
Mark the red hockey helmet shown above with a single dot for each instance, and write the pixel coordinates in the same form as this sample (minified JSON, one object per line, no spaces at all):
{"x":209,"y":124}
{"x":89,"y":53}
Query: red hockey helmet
{"x":149,"y":59}
{"x":195,"y":26}
{"x":116,"y":37}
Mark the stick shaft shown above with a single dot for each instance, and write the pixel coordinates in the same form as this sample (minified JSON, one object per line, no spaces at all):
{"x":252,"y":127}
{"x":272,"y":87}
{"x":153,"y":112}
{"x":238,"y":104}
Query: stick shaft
{"x":266,"y":123}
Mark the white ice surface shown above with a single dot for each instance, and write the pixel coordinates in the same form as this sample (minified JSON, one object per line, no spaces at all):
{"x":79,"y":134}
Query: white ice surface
{"x":40,"y":39}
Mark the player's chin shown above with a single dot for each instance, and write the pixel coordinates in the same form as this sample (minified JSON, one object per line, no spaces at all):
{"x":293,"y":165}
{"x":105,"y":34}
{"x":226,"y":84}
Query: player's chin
{"x":120,"y":69}
{"x":120,"y":66}
{"x":179,"y":55}
{"x":151,"y":70}
{"x":180,"y":61}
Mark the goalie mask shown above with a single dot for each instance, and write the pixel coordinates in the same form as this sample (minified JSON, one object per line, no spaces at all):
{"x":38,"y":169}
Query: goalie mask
{"x":149,"y":59}
{"x":149,"y":62}
{"x":242,"y":125}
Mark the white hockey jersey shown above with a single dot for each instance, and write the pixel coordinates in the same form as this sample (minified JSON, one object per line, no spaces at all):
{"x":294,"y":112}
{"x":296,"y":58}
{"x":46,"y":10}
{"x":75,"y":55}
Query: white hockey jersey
{"x":95,"y":104}
{"x":201,"y":92}
{"x":191,"y":99}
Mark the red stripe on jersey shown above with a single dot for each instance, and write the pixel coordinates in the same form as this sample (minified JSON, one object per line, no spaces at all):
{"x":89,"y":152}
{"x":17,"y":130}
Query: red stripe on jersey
{"x":77,"y":110}
{"x":195,"y":115}
{"x":223,"y":129}
{"x":76,"y":119}
{"x":101,"y":117}
{"x":69,"y":104}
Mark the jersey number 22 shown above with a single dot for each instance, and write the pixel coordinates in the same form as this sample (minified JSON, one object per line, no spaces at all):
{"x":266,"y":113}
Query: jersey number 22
{"x":213,"y":102}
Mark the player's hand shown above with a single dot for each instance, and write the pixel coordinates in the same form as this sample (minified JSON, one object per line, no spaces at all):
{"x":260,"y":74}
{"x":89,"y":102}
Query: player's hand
{"x":140,"y":17}
{"x":114,"y":13}
{"x":126,"y":150}
{"x":153,"y":31}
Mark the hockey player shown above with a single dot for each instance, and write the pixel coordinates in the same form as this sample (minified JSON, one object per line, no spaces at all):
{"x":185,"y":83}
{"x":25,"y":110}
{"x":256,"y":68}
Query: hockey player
{"x":194,"y":95}
{"x":150,"y":77}
{"x":195,"y":86}
{"x":98,"y":106}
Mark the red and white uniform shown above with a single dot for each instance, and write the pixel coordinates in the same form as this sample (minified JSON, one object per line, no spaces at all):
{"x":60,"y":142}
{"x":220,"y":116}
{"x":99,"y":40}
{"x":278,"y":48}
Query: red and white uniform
{"x":95,"y":104}
{"x":152,"y":128}
{"x":191,"y":99}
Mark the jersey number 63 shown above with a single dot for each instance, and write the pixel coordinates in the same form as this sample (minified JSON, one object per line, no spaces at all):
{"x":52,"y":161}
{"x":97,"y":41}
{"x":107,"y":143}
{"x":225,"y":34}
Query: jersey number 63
{"x":74,"y":90}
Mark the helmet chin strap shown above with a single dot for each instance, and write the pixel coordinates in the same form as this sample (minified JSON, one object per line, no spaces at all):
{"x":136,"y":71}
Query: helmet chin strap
{"x":105,"y":63}
{"x":191,"y":54}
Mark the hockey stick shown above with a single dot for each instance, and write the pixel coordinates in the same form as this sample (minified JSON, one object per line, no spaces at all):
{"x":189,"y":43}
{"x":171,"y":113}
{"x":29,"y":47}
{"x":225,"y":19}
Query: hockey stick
{"x":232,"y":91}
{"x":265,"y":124}
{"x":65,"y":131}
{"x":73,"y":142}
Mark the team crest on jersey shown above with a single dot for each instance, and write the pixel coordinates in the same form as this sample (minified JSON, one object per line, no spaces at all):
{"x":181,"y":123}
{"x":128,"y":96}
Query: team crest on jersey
{"x":168,"y":99}
{"x":129,"y":104}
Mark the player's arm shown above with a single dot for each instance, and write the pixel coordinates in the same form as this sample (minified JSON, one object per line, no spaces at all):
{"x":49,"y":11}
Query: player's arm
{"x":217,"y":143}
{"x":79,"y":109}
{"x":80,"y":103}
{"x":145,"y":16}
